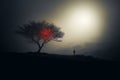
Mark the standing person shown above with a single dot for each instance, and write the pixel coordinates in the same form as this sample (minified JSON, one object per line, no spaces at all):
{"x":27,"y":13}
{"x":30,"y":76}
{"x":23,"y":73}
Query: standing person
{"x":74,"y":52}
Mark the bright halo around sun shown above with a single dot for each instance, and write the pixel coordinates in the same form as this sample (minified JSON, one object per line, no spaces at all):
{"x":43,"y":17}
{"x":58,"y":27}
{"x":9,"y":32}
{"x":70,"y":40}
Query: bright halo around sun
{"x":85,"y":22}
{"x":82,"y":23}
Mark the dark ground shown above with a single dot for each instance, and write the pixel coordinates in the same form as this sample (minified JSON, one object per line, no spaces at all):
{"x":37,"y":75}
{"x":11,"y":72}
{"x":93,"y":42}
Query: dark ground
{"x":29,"y":64}
{"x":45,"y":58}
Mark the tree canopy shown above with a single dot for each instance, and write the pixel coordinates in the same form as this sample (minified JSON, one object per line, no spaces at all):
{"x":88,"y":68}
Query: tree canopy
{"x":40,"y":32}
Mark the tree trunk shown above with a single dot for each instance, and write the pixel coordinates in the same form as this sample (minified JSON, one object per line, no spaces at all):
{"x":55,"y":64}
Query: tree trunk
{"x":40,"y":46}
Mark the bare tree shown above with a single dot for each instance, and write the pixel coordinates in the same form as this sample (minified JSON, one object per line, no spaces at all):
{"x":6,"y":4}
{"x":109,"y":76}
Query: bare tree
{"x":40,"y":33}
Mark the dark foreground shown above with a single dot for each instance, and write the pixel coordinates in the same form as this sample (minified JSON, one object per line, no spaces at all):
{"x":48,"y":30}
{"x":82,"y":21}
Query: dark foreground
{"x":33,"y":63}
{"x":44,"y":58}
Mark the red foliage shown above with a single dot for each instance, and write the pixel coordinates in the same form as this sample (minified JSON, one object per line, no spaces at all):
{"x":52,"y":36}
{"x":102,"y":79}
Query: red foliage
{"x":46,"y":34}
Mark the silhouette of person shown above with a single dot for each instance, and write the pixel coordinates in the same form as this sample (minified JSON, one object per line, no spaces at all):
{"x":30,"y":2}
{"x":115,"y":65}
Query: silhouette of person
{"x":74,"y":52}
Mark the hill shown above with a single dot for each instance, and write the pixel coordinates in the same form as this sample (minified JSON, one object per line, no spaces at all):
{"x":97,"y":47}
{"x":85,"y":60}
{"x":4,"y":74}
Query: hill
{"x":17,"y":62}
{"x":45,"y":58}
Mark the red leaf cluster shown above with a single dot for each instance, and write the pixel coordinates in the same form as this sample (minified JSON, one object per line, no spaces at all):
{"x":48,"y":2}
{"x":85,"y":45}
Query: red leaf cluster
{"x":46,"y":34}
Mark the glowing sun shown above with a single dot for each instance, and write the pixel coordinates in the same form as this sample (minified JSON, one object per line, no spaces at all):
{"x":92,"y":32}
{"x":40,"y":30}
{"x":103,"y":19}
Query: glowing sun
{"x":82,"y":23}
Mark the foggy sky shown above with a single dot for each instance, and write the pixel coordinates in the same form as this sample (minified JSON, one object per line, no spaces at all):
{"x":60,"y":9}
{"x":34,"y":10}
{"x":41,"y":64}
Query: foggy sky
{"x":18,"y":12}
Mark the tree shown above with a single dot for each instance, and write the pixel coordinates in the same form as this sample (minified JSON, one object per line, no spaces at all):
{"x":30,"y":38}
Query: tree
{"x":40,"y":33}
